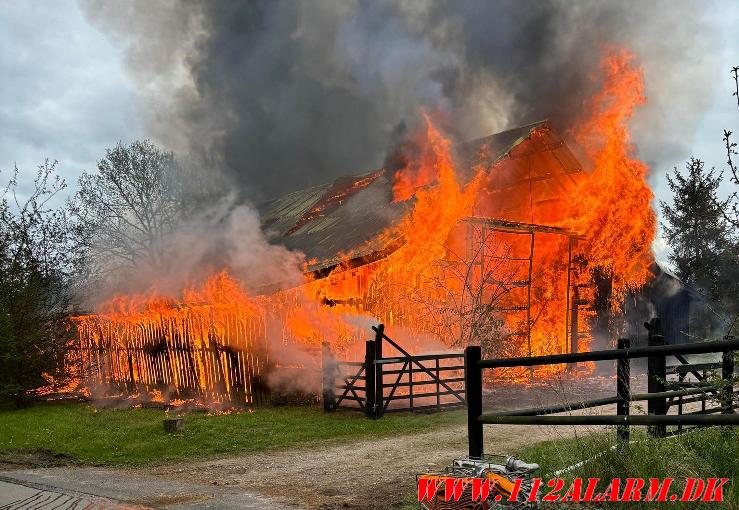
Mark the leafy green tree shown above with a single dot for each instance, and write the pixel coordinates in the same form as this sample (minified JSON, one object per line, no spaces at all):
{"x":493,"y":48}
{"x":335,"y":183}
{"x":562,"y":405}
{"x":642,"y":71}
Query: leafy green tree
{"x":37,"y":260}
{"x":695,"y":227}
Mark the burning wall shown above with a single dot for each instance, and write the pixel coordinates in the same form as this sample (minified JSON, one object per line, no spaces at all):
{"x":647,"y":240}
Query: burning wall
{"x":505,"y":247}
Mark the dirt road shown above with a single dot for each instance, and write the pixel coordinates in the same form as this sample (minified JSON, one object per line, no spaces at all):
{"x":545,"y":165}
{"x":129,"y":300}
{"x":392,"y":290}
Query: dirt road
{"x":381,"y":473}
{"x":350,"y":474}
{"x":371,"y":474}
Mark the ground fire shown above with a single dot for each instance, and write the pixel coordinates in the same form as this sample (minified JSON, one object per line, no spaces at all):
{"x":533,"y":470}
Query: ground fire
{"x":510,"y":241}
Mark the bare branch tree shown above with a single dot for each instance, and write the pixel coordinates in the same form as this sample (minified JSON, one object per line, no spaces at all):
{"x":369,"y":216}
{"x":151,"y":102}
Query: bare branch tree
{"x":730,"y":256}
{"x":731,"y":209}
{"x":458,"y":298}
{"x":732,"y":212}
{"x":124,"y":212}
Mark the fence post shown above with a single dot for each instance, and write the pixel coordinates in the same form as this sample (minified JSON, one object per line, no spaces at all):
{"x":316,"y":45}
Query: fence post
{"x":703,"y":400}
{"x":657,"y":373}
{"x":623,"y":390}
{"x":727,"y":376}
{"x":131,"y":386}
{"x":380,"y":390}
{"x":329,"y":378}
{"x":473,"y":393}
{"x":438,"y":397}
{"x":410,"y":386}
{"x":370,"y":390}
{"x":680,"y":409}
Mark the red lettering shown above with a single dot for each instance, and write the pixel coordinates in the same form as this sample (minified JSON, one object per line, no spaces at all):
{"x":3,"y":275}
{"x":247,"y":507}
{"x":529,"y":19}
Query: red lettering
{"x":426,"y":488}
{"x":693,"y":489}
{"x":535,"y":486}
{"x":556,"y":484}
{"x":599,"y":497}
{"x":480,"y":489}
{"x":590,"y":490}
{"x":574,"y":493}
{"x":612,"y":491}
{"x":658,"y":491}
{"x":715,"y":489}
{"x":453,"y":488}
{"x":632,"y":490}
{"x":515,"y":490}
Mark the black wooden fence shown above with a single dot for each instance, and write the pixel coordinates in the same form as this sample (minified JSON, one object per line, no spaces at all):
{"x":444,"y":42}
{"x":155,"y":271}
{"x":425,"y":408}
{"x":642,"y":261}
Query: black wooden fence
{"x":658,"y":396}
{"x":381,"y":384}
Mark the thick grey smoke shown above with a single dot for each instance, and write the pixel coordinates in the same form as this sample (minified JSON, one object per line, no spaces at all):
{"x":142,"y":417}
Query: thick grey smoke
{"x":223,"y":235}
{"x":285,"y":94}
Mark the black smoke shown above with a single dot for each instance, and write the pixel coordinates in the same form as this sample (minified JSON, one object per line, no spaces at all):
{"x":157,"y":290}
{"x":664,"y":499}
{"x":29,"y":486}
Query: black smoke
{"x":280,"y":95}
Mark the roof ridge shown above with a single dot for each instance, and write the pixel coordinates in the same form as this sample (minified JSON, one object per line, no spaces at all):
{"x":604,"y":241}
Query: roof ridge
{"x":380,"y":169}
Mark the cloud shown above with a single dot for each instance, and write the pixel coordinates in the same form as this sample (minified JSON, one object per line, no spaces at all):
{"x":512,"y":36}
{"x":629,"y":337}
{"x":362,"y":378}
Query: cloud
{"x":64,"y":91}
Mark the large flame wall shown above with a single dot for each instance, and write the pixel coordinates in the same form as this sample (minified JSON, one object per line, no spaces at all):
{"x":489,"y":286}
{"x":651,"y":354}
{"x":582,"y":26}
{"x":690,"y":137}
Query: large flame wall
{"x":509,"y":256}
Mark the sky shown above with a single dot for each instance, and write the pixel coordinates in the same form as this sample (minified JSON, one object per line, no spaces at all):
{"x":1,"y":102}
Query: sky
{"x":65,"y":95}
{"x":723,"y":113}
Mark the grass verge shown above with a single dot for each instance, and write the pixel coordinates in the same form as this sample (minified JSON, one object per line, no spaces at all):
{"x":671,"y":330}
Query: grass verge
{"x":703,"y":454}
{"x":700,"y":454}
{"x":80,"y":433}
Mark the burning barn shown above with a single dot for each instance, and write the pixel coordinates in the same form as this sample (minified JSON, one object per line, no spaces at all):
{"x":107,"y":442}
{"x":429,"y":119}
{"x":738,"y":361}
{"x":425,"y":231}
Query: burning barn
{"x":515,"y":220}
{"x":512,"y":248}
{"x":509,"y":241}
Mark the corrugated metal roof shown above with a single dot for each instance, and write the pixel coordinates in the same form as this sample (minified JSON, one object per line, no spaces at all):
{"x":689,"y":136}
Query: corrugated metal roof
{"x":346,"y":229}
{"x":490,"y":149}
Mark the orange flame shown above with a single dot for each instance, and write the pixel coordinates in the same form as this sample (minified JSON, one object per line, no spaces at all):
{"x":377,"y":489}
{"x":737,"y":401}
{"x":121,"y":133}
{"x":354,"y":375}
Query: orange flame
{"x":613,"y":206}
{"x":499,"y":278}
{"x":441,"y":201}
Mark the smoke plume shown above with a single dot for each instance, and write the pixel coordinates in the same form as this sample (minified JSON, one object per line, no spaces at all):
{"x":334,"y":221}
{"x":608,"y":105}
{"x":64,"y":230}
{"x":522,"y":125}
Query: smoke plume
{"x":280,"y":95}
{"x":224,"y":234}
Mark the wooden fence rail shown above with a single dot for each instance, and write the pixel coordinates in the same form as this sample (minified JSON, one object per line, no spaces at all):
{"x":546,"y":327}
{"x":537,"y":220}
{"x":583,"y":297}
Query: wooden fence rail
{"x":659,"y":398}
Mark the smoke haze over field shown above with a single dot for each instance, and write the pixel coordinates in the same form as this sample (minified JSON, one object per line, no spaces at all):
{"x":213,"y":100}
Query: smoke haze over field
{"x":281,"y":95}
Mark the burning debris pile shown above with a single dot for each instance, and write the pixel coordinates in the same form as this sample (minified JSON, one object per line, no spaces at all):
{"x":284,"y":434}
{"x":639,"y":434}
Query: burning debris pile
{"x":509,"y":241}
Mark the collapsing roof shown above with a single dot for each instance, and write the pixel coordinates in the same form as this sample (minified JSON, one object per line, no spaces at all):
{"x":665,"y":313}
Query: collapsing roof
{"x":348,"y":220}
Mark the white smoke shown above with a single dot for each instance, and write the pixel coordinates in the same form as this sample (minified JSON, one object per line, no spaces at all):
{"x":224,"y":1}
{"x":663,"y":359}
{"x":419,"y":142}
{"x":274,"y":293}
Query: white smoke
{"x":223,"y":236}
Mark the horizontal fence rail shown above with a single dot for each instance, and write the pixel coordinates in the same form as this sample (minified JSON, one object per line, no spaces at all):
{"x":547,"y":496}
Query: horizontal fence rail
{"x":598,"y":402}
{"x":613,"y":354}
{"x":658,"y":397}
{"x":642,"y":419}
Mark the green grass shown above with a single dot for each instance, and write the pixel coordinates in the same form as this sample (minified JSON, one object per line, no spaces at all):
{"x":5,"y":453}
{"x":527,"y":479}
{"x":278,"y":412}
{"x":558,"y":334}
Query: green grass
{"x":136,"y":436}
{"x":702,"y":454}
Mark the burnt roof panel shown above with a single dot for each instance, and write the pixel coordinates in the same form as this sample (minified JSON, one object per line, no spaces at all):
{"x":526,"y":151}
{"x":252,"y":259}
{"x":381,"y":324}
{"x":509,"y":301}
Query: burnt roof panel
{"x":351,"y":218}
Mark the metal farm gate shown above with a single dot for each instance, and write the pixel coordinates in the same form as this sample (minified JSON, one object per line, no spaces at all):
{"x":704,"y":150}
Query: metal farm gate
{"x":380,"y":384}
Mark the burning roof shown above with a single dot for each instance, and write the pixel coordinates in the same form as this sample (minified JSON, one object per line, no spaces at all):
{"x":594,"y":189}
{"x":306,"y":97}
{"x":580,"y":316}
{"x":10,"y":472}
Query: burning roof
{"x":348,"y":220}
